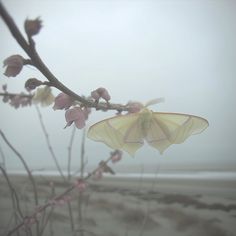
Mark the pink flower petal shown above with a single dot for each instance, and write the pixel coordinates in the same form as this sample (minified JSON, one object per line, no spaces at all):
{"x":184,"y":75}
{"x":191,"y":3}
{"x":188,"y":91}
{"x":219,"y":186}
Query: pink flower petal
{"x":101,"y":93}
{"x":80,"y":123}
{"x":77,"y":116}
{"x":81,"y":185}
{"x":15,"y":101}
{"x":86,"y":111}
{"x":98,"y":174}
{"x":106,"y":96}
{"x":134,"y":107}
{"x":95,"y":95}
{"x":116,"y":156}
{"x":14,"y":65}
{"x":62,"y":101}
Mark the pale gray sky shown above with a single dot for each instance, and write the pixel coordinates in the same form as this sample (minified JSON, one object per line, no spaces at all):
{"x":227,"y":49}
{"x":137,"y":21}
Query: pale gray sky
{"x":183,"y":51}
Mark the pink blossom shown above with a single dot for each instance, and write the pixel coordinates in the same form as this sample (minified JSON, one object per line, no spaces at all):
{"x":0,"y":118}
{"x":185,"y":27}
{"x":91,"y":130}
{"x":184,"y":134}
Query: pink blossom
{"x":98,"y":174}
{"x":116,"y":156}
{"x":77,"y":116}
{"x":16,"y":101}
{"x":67,"y":198}
{"x":81,"y":185}
{"x":19,"y":100}
{"x":95,"y":95}
{"x":14,"y":65}
{"x":5,"y":98}
{"x":60,"y":202}
{"x":105,"y":168}
{"x":4,"y":87}
{"x":32,"y":27}
{"x":62,"y":101}
{"x":101,"y":93}
{"x":29,"y":221}
{"x":25,"y":101}
{"x":134,"y":107}
{"x":86,"y":111}
{"x":38,"y":212}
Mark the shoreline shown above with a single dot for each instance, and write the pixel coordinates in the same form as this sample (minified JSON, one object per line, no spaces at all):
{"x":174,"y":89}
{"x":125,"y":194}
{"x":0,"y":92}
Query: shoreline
{"x":211,"y":186}
{"x":167,"y":207}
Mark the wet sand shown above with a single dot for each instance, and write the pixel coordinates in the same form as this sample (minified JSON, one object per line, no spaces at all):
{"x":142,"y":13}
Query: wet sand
{"x":129,"y":206}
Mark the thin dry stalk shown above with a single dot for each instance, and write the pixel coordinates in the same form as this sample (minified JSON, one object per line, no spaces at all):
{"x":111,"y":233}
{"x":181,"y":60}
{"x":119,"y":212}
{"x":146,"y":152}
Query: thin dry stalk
{"x":70,"y":152}
{"x":46,"y":135}
{"x":58,"y":197}
{"x":14,"y":198}
{"x":30,"y":176}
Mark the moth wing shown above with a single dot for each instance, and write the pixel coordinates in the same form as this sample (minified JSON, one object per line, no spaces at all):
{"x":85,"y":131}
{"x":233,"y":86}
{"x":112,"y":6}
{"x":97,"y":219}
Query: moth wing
{"x":104,"y":132}
{"x":173,"y":128}
{"x":120,"y":132}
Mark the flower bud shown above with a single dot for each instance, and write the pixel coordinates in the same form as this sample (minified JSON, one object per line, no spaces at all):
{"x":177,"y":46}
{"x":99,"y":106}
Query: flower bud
{"x":101,"y":93}
{"x":14,"y":65}
{"x":32,"y":27}
{"x":106,"y":169}
{"x":16,"y":101}
{"x":98,"y":174}
{"x":32,"y":83}
{"x":5,"y":98}
{"x":134,"y":107}
{"x":62,"y":101}
{"x":75,"y":115}
{"x":116,"y":156}
{"x":81,"y":185}
{"x":4,"y":87}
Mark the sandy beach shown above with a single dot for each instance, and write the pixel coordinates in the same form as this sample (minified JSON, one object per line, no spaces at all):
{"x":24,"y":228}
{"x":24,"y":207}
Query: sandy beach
{"x":116,"y":206}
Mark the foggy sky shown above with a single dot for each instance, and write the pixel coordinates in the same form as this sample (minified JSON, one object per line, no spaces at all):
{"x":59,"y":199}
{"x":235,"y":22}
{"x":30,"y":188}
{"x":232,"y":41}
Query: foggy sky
{"x":183,"y":51}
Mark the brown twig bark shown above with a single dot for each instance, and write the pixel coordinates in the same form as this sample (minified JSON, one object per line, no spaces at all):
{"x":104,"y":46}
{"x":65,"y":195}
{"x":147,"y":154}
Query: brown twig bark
{"x":17,"y":94}
{"x":30,"y":49}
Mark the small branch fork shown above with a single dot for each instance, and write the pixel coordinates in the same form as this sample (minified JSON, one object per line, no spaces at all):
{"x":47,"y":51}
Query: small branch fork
{"x":58,"y":197}
{"x":35,"y":60}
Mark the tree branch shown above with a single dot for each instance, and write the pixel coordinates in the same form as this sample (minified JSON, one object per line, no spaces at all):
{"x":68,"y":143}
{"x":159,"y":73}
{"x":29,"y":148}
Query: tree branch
{"x":29,"y":48}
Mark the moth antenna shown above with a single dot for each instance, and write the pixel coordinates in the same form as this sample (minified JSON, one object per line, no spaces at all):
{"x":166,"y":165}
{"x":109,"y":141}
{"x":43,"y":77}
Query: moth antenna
{"x":154,"y":101}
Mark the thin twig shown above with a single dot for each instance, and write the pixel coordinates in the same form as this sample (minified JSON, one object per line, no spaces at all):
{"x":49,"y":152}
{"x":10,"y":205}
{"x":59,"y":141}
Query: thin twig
{"x":29,"y":48}
{"x":80,"y":197}
{"x":3,"y":164}
{"x":145,"y":219}
{"x":71,"y":216}
{"x":14,"y":197}
{"x":82,"y":154}
{"x":17,"y":94}
{"x":31,"y":178}
{"x":24,"y":164}
{"x":46,"y":218}
{"x":58,"y":197}
{"x":56,"y":162}
{"x":70,"y":151}
{"x":49,"y":143}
